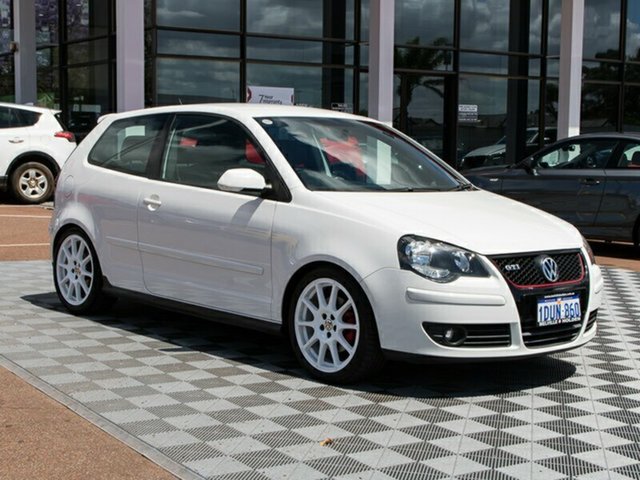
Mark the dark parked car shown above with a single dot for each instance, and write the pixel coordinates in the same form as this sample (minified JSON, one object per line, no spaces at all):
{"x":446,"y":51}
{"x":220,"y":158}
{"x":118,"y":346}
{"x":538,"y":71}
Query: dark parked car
{"x":592,"y":181}
{"x":495,"y":155}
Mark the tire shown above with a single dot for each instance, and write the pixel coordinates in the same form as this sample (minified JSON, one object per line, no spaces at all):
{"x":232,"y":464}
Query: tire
{"x":32,"y":182}
{"x":77,"y":275}
{"x":332,"y":328}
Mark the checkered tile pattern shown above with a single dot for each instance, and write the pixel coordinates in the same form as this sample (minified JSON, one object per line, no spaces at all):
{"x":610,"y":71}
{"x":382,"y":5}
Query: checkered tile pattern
{"x":231,"y":404}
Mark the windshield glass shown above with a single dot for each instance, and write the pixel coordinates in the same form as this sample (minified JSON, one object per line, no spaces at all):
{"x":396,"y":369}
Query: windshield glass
{"x":532,"y":136}
{"x":337,"y":154}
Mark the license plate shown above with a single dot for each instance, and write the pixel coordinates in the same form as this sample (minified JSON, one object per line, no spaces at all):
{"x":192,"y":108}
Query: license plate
{"x":558,"y":309}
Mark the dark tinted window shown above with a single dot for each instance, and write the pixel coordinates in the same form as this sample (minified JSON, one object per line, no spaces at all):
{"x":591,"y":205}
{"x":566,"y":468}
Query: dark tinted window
{"x":127,"y":144}
{"x":14,"y":118}
{"x":202,"y":147}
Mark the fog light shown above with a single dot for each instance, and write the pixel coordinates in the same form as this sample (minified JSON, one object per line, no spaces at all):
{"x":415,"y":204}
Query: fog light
{"x":454,"y":336}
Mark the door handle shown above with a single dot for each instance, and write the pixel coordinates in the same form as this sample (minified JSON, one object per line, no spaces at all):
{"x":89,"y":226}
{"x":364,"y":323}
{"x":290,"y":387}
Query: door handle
{"x":590,"y":181}
{"x":16,"y":140}
{"x":153,"y":202}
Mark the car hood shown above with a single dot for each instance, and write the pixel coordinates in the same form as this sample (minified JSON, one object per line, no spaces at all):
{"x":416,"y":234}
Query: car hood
{"x":479,"y":221}
{"x":487,"y":151}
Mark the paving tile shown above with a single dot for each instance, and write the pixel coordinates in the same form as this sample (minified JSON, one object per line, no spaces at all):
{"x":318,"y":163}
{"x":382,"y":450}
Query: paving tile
{"x":230,"y":406}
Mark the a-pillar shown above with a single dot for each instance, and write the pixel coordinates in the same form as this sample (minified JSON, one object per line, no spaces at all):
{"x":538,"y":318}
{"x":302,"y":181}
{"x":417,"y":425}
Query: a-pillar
{"x":129,"y":54}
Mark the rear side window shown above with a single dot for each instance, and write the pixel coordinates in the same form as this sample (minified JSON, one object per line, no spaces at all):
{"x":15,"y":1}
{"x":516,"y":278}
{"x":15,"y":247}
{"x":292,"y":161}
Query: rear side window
{"x":15,"y":118}
{"x":127,"y":145}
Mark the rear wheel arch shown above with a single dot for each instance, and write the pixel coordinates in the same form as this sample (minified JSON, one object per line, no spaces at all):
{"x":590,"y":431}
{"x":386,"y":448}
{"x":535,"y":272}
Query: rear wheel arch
{"x":38,"y":157}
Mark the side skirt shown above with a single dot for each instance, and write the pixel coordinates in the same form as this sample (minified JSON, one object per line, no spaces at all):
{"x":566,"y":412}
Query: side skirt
{"x":195,"y":310}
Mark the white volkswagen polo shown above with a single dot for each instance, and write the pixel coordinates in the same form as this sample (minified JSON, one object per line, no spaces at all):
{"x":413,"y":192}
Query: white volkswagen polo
{"x":335,"y":229}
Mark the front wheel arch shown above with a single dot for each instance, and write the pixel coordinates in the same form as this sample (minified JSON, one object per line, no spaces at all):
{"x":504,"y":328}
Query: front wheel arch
{"x":298,"y":275}
{"x":367,"y":358}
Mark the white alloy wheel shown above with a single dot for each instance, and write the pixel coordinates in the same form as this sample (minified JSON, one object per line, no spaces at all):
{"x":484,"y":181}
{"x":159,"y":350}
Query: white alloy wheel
{"x":33,"y":184}
{"x":327,"y":325}
{"x":75,"y":270}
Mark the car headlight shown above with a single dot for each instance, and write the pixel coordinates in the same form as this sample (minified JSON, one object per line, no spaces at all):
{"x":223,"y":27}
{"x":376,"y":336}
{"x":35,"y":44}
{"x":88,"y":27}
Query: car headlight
{"x":587,"y":247}
{"x":438,"y":261}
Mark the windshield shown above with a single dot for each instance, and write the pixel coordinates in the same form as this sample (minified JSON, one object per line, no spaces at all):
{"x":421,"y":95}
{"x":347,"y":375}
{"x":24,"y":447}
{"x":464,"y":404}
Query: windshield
{"x":532,"y":136}
{"x":337,"y":154}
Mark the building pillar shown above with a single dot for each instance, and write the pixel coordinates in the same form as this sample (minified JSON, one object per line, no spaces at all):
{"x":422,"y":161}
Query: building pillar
{"x":381,"y":39}
{"x":25,"y":70}
{"x":570,"y":87}
{"x":129,"y":54}
{"x":518,"y":86}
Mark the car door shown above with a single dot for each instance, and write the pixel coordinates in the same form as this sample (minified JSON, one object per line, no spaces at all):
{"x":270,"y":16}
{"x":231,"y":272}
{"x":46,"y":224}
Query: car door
{"x":567,"y":180}
{"x":198,"y":244}
{"x":620,"y":208}
{"x":14,"y":136}
{"x":119,"y":160}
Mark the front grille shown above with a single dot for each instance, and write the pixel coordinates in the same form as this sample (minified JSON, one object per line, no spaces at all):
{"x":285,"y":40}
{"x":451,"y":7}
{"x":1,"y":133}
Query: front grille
{"x":593,"y":316}
{"x":476,"y":336}
{"x":525,"y":271}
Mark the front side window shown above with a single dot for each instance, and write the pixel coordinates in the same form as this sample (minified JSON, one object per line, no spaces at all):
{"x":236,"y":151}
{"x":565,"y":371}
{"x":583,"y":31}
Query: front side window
{"x":127,"y":145}
{"x":202,"y":147}
{"x":336,"y":154}
{"x":587,"y":154}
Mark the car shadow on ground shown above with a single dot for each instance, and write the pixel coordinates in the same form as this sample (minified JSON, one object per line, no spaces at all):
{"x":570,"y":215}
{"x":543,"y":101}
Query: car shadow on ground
{"x":178,"y":334}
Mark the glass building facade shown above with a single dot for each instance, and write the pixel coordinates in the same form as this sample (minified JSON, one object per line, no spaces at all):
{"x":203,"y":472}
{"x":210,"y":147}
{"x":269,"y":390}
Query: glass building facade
{"x":466,"y":73}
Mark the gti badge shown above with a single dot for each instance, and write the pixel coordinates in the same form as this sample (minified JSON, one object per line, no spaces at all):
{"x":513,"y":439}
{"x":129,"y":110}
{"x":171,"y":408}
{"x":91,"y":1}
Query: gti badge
{"x":549,"y":268}
{"x":512,"y":267}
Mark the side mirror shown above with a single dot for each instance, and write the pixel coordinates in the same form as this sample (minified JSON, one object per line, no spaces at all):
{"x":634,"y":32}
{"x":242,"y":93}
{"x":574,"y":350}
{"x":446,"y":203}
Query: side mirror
{"x":528,"y":165}
{"x":242,"y":180}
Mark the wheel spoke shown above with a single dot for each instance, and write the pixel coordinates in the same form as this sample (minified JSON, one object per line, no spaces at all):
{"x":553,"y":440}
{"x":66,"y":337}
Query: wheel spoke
{"x":84,"y":287}
{"x":333,"y":348}
{"x":333,"y":297}
{"x":314,"y":339}
{"x":322,"y":301}
{"x":322,"y":353}
{"x":310,"y":306}
{"x":343,"y":309}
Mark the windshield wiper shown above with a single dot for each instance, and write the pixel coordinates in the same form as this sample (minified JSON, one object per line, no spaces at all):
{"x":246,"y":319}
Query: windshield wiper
{"x":463,"y":186}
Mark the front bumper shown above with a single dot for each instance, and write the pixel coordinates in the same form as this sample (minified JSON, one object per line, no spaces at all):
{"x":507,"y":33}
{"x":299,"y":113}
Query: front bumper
{"x":407,"y":305}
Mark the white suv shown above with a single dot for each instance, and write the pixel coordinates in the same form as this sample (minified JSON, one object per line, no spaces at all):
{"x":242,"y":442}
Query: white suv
{"x":33,"y":147}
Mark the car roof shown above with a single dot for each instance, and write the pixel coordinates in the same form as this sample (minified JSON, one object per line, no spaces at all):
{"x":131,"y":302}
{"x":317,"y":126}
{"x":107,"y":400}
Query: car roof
{"x":246,"y":109}
{"x":611,"y":135}
{"x":31,"y":108}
